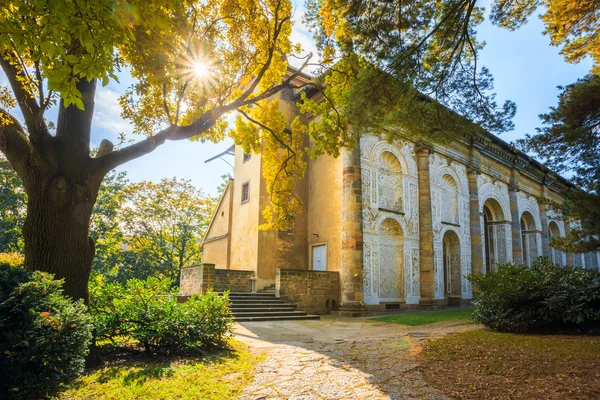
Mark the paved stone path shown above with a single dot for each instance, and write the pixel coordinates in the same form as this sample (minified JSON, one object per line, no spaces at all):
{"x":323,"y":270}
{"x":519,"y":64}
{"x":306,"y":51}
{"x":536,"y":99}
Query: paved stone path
{"x":338,"y":358}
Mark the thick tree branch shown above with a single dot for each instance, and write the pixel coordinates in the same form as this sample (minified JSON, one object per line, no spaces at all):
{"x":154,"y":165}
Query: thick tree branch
{"x":34,"y":121}
{"x":14,"y":144}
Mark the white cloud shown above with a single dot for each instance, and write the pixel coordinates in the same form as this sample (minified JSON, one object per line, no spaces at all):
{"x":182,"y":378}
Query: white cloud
{"x":301,"y":34}
{"x":107,"y":113}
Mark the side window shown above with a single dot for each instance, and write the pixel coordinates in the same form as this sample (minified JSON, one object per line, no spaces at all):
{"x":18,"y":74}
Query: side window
{"x":245,"y":192}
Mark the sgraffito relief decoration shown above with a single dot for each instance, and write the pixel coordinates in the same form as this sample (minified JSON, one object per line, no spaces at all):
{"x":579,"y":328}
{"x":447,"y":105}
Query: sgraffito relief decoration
{"x":390,"y":195}
{"x":450,"y":211}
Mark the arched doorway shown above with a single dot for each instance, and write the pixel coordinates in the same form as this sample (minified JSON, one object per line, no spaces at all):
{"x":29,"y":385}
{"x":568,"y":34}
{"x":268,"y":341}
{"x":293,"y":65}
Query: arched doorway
{"x":495,"y":230}
{"x":391,"y":257}
{"x":556,"y":256}
{"x":529,"y":238}
{"x":452,"y":275}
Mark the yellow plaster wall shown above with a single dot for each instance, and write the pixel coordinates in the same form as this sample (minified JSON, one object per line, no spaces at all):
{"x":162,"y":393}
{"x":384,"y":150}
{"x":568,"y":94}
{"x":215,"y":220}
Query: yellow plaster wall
{"x":325,"y":208}
{"x":245,"y":216}
{"x":216,"y":246}
{"x":215,"y":252}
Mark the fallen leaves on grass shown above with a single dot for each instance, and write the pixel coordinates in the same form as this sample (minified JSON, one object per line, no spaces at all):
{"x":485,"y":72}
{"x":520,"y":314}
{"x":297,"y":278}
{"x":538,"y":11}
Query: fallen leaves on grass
{"x":482,"y":364}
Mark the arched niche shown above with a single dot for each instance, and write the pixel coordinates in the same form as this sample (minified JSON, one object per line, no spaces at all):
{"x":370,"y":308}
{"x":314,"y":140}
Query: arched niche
{"x":389,"y":182}
{"x":449,"y":199}
{"x":452,"y":267}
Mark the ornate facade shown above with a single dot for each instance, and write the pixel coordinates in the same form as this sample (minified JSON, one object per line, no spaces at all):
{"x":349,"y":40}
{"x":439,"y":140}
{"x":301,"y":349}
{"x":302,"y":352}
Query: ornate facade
{"x":403,"y":223}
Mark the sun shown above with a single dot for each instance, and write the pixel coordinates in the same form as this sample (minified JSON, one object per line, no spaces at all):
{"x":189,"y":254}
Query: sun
{"x":201,"y":70}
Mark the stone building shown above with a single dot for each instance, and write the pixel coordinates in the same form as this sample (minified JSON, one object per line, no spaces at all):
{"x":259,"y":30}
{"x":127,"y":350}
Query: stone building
{"x":402,"y":223}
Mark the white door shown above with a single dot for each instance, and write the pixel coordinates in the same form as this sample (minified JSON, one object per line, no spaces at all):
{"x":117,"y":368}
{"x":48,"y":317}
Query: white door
{"x":319,"y":258}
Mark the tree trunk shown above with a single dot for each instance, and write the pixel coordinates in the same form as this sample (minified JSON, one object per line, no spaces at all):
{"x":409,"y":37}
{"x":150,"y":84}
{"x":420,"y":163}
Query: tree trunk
{"x":56,"y":231}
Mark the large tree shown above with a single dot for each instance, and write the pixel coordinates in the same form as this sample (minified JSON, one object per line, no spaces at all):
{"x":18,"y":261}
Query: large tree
{"x":193,"y":62}
{"x":569,"y":141}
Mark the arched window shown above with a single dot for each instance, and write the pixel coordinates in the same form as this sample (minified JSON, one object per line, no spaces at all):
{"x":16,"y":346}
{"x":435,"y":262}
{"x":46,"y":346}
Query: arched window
{"x":495,"y":228}
{"x":449,"y":200}
{"x":529,"y":238}
{"x":389,"y":182}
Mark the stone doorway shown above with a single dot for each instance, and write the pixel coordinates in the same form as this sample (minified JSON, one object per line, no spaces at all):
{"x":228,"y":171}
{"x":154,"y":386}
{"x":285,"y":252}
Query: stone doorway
{"x":452,"y":275}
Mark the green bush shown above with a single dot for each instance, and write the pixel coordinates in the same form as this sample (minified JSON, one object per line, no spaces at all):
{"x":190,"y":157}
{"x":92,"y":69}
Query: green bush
{"x":44,"y":335}
{"x":540,"y":298}
{"x":147,"y":311}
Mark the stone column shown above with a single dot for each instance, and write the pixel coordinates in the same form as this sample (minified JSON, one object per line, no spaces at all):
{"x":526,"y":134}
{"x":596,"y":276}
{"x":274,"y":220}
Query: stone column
{"x":426,"y":256}
{"x":477,"y":266}
{"x":352,"y":299}
{"x":513,"y":195}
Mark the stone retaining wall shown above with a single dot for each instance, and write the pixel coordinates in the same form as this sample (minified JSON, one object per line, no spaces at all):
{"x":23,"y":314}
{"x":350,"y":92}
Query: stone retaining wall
{"x":316,"y":292}
{"x":197,"y":279}
{"x":233,"y":280}
{"x":204,"y":277}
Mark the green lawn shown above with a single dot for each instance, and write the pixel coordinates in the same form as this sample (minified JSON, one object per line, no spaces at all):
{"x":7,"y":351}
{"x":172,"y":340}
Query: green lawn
{"x":427,"y":317}
{"x":222,"y":375}
{"x":482,"y":364}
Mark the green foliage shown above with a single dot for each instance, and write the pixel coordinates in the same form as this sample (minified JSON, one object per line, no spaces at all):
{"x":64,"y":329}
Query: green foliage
{"x":11,"y":259}
{"x":147,"y":311}
{"x":412,"y":60}
{"x":105,"y":225}
{"x":165,"y":222}
{"x":540,"y":298}
{"x":44,"y":335}
{"x":12,"y":209}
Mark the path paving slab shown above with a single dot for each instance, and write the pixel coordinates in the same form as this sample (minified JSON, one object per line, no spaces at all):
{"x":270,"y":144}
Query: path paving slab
{"x":340,"y":358}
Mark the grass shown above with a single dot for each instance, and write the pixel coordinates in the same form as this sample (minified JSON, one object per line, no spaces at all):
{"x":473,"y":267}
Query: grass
{"x":482,"y":364}
{"x":427,"y":317}
{"x":221,"y":375}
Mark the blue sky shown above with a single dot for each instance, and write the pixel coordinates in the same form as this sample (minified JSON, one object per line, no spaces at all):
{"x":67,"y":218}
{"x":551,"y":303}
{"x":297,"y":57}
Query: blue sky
{"x":525,"y":67}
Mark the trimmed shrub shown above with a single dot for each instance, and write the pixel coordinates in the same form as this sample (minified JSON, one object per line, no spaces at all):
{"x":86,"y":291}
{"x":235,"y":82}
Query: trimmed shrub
{"x":540,"y":298}
{"x":44,"y":335}
{"x":147,"y":311}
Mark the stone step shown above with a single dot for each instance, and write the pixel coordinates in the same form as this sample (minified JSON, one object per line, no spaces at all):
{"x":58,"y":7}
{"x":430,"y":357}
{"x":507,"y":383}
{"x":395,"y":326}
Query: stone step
{"x":264,"y":301}
{"x":260,"y":309}
{"x":277,"y":318}
{"x":255,"y":304}
{"x":251,"y":295}
{"x":263,"y":313}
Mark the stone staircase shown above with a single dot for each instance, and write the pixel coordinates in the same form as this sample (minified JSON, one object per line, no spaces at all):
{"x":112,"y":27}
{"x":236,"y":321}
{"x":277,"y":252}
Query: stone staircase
{"x":264,"y":306}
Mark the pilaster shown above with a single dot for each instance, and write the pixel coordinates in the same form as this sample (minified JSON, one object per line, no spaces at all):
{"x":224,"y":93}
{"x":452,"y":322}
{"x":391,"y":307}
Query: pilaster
{"x":352,"y":296}
{"x":426,"y":256}
{"x":477,"y":266}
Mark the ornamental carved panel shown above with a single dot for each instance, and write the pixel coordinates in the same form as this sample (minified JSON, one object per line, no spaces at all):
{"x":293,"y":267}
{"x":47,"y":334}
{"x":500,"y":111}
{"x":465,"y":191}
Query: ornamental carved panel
{"x":391,"y":284}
